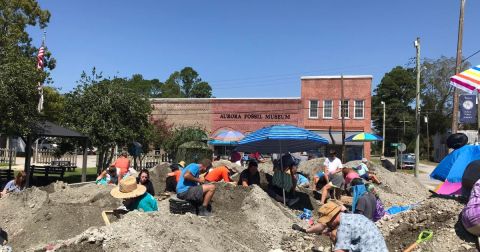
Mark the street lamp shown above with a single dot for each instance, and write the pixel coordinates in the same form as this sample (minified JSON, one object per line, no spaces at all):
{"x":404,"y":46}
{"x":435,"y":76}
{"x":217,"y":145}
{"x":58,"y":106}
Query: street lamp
{"x":383,"y":142}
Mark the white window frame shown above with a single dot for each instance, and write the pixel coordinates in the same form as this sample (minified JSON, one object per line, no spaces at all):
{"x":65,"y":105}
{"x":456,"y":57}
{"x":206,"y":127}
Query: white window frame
{"x":355,"y":109}
{"x":340,"y":109}
{"x":331,"y":109}
{"x":310,"y":109}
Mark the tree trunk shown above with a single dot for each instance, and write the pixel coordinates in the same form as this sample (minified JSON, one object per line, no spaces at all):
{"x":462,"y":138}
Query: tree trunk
{"x":101,"y":155}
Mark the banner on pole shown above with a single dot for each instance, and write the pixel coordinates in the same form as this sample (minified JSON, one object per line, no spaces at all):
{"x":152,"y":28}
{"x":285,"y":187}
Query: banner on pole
{"x":468,"y":110}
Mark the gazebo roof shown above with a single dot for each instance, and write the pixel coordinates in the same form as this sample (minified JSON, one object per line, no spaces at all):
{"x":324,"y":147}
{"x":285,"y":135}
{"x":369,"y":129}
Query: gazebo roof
{"x":49,"y":129}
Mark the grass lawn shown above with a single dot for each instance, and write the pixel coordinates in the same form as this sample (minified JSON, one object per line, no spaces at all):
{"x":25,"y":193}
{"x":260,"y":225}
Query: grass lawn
{"x":76,"y":176}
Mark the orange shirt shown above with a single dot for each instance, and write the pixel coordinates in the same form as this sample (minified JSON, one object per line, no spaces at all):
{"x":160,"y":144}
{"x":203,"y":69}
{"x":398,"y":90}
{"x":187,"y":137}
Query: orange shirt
{"x":123,"y":164}
{"x":177,"y":175}
{"x":217,"y":174}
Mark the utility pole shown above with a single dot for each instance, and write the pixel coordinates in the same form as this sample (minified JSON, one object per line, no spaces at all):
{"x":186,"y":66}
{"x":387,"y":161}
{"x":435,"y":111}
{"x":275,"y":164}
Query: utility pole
{"x":342,"y":113}
{"x":383,"y":142}
{"x":404,"y":122}
{"x":417,"y":110}
{"x":458,"y":66}
{"x":428,"y":138}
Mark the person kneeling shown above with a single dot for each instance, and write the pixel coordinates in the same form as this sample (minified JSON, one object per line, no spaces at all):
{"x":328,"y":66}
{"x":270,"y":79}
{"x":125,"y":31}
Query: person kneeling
{"x":135,"y":196}
{"x":190,"y":186}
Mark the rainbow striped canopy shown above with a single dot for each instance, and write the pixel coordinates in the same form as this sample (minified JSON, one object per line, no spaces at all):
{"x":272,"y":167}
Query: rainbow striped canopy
{"x":229,"y":136}
{"x":363,"y":137}
{"x":468,"y":80}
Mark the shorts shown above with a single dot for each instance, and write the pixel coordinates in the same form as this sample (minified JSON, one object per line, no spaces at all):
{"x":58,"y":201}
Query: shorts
{"x":194,"y":193}
{"x":365,"y":176}
{"x":337,"y":180}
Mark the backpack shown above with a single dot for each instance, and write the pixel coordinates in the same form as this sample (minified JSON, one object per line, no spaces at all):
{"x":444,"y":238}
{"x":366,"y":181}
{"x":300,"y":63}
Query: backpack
{"x":379,"y":210}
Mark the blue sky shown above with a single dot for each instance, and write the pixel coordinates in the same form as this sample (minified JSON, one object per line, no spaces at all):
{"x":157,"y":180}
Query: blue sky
{"x":251,"y":48}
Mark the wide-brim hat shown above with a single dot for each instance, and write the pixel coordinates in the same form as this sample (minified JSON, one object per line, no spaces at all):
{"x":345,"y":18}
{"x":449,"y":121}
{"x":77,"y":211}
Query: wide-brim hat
{"x":128,"y":188}
{"x":328,"y":212}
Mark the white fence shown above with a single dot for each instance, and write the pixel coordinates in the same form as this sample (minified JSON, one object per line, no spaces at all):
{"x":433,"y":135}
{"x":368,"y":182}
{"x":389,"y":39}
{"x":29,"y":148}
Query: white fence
{"x":5,"y":156}
{"x":46,"y":157}
{"x":149,"y":160}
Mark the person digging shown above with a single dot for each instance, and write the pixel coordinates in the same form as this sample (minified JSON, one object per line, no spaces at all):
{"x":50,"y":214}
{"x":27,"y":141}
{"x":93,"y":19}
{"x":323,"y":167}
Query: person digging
{"x":349,"y":232}
{"x":191,"y":186}
{"x":134,"y":196}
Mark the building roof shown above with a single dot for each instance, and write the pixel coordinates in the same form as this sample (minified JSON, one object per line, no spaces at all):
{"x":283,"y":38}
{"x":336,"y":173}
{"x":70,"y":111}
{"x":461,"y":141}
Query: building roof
{"x":225,"y":99}
{"x":336,"y":77}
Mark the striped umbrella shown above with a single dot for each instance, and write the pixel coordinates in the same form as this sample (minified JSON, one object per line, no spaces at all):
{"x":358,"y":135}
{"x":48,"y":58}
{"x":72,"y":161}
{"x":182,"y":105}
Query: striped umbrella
{"x":229,"y":136}
{"x":281,"y":139}
{"x":468,"y":80}
{"x":363,"y":137}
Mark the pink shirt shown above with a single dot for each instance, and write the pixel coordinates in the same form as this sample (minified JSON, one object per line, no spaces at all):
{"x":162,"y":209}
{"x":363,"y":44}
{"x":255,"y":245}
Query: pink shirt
{"x":350,"y":176}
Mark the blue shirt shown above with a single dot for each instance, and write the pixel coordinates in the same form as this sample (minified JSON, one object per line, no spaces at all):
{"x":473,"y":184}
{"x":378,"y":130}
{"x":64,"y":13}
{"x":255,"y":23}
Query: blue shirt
{"x":320,"y":174}
{"x":183,"y":185}
{"x":146,"y":203}
{"x":356,"y":233}
{"x":302,"y":179}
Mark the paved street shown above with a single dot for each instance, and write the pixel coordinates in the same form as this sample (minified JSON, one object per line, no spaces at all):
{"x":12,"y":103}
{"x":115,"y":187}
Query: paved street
{"x":424,"y":175}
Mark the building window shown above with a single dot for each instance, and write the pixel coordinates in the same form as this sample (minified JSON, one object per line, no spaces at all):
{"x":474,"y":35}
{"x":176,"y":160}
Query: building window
{"x":313,"y":109}
{"x":345,"y":109}
{"x":359,"y":109}
{"x":327,"y":109}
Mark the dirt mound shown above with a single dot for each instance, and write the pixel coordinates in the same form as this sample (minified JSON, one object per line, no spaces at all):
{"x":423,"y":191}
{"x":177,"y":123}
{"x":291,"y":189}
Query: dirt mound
{"x":228,"y":164}
{"x":35,"y":216}
{"x":158,"y":174}
{"x":245,"y":219}
{"x":311,"y":167}
{"x":439,"y":215}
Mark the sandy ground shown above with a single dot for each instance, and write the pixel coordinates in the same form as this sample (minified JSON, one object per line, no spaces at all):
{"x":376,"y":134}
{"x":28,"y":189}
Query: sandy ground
{"x":63,"y":218}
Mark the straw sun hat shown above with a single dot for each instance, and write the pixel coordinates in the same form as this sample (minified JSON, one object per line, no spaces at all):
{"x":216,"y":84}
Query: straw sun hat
{"x":128,"y":188}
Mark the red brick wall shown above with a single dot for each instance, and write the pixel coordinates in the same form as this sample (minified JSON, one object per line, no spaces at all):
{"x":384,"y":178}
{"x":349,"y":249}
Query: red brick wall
{"x":183,"y":112}
{"x":329,"y":88}
{"x":247,"y":115}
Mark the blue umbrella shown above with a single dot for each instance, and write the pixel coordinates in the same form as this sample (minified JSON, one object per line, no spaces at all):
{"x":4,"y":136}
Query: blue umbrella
{"x":222,"y":143}
{"x":280,"y":139}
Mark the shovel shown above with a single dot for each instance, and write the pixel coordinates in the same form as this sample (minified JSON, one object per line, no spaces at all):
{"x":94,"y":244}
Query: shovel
{"x":423,"y":236}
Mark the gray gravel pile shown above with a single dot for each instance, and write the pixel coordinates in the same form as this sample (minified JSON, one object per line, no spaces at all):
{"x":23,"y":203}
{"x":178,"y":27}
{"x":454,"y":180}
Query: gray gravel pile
{"x":439,"y":215}
{"x":37,"y":216}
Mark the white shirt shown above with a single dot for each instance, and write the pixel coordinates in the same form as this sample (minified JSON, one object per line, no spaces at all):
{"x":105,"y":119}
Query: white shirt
{"x":333,"y":165}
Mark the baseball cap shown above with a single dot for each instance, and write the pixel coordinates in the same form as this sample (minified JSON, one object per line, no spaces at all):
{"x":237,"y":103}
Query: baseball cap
{"x":364,"y":160}
{"x":328,"y":211}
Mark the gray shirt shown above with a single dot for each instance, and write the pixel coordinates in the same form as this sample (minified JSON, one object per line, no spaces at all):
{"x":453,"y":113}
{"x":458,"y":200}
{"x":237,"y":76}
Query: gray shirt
{"x":366,"y":205}
{"x":356,"y":233}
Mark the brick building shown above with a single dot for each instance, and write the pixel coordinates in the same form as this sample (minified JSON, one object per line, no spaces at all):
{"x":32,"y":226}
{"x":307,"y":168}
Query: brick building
{"x":318,"y":110}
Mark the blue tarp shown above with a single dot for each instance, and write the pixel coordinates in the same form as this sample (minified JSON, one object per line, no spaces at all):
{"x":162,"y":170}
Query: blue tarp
{"x":451,"y":168}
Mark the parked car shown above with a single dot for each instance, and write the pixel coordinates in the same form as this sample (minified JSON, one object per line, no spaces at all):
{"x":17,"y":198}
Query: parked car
{"x":407,"y":161}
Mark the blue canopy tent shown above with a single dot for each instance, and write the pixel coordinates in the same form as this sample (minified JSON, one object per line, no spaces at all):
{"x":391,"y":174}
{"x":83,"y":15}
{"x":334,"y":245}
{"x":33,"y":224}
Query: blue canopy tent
{"x":451,"y":168}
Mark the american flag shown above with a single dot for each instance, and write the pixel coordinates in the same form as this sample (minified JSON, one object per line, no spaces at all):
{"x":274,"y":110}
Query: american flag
{"x":40,"y":59}
{"x":40,"y":65}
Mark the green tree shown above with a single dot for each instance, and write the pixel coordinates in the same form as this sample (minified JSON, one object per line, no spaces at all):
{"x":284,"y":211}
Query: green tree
{"x":397,"y":90}
{"x":147,"y":88}
{"x":437,"y":96}
{"x":108,"y":112}
{"x":18,"y":73}
{"x":54,"y":104}
{"x":187,"y":83}
{"x":182,"y":135}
